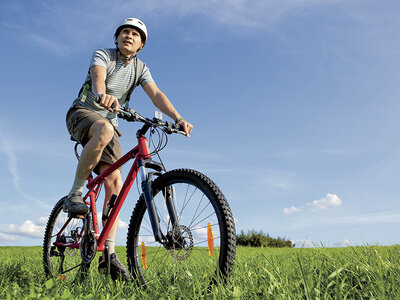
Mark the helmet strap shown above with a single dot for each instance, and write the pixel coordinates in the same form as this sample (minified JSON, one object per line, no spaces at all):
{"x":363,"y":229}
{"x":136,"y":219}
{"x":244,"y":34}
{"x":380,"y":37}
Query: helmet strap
{"x":125,"y":59}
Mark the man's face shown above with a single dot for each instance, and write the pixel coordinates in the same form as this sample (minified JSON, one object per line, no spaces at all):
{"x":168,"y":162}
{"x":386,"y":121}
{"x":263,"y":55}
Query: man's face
{"x":129,"y":41}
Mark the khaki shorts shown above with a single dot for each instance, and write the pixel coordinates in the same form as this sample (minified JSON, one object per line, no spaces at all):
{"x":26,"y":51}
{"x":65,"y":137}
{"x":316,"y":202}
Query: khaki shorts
{"x":79,"y":120}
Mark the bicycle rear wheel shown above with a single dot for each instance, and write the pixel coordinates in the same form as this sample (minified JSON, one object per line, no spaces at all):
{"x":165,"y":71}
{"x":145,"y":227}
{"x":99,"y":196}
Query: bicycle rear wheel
{"x":60,"y":229}
{"x":205,"y":240}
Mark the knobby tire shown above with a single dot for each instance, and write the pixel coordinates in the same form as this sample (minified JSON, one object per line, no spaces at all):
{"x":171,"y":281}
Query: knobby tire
{"x":199,"y":202}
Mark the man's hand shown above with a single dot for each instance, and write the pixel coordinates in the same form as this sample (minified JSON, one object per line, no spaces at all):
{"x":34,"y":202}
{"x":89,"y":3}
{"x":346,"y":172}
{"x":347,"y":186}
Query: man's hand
{"x":186,"y":126}
{"x":109,"y":102}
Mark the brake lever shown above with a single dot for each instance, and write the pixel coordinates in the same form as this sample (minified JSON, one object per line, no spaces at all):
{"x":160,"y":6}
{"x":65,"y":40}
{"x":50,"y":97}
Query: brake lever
{"x":178,"y":129}
{"x":127,"y":114}
{"x":168,"y":127}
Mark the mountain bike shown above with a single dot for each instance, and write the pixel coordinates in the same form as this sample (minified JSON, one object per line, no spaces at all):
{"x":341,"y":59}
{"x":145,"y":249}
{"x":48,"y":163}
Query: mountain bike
{"x":181,"y":229}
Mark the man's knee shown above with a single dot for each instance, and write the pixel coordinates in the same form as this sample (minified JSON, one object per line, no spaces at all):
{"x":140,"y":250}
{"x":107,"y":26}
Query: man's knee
{"x":102,"y":131}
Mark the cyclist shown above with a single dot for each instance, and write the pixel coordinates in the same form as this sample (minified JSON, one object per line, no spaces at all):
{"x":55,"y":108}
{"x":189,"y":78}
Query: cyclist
{"x":95,"y":125}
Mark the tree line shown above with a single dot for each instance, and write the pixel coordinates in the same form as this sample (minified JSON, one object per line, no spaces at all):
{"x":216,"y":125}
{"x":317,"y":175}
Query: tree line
{"x":258,"y":239}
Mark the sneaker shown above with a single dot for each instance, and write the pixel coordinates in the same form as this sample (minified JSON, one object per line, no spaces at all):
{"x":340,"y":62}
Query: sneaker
{"x":117,"y":269}
{"x":74,"y":204}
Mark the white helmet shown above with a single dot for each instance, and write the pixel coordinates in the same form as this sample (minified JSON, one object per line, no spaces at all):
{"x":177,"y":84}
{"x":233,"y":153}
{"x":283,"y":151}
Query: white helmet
{"x":137,"y":24}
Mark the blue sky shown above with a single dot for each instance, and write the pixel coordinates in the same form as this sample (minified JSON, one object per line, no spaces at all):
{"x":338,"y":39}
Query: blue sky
{"x":294,"y":102}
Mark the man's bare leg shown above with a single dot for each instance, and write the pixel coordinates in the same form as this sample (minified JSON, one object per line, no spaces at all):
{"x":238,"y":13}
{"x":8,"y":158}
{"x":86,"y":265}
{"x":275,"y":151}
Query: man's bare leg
{"x":112,"y":185}
{"x":100,"y":134}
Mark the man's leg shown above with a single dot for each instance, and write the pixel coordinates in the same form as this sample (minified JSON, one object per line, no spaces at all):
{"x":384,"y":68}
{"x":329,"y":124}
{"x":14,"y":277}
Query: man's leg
{"x":112,"y":185}
{"x":100,"y":134}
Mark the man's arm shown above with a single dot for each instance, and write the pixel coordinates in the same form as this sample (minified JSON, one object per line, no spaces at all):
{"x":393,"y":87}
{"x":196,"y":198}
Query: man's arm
{"x":98,"y":75}
{"x":161,"y":101}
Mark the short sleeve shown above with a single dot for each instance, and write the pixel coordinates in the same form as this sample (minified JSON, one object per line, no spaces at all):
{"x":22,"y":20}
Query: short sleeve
{"x":101,"y":57}
{"x":145,"y":77}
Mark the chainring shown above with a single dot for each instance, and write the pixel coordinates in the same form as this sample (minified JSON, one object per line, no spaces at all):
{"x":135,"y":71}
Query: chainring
{"x":88,"y":247}
{"x":88,"y":244}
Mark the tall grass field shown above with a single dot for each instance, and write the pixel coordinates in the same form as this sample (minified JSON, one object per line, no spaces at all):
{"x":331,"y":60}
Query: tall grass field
{"x":367,"y":272}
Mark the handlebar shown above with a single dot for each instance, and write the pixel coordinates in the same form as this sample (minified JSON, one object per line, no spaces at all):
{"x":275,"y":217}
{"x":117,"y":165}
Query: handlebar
{"x":131,"y":115}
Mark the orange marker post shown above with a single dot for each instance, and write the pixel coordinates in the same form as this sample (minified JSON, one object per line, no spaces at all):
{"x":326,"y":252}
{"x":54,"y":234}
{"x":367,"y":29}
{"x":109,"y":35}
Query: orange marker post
{"x":210,"y":240}
{"x":144,"y":256}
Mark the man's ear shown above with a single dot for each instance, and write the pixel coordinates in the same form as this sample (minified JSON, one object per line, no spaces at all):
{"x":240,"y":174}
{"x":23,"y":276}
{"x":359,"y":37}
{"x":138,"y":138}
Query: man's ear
{"x":140,"y":49}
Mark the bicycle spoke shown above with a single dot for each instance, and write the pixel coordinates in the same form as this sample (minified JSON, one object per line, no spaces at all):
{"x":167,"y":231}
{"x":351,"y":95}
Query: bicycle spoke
{"x":204,"y":227}
{"x":194,"y":219}
{"x":186,"y":202}
{"x":205,"y":241}
{"x":213,"y":213}
{"x":197,"y":208}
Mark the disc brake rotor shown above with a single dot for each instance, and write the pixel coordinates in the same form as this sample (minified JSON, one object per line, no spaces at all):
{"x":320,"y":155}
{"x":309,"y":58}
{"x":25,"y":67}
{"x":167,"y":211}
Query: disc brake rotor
{"x":183,"y":243}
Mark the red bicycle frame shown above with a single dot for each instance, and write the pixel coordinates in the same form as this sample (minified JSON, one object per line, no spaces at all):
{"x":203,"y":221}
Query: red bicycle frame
{"x":141,"y":151}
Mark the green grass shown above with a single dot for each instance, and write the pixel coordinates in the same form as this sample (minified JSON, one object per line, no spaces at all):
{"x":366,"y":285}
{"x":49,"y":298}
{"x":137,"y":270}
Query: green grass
{"x":369,"y":272}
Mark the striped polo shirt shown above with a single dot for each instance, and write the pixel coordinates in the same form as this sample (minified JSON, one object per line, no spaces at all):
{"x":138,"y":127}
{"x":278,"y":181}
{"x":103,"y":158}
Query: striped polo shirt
{"x":118,"y":82}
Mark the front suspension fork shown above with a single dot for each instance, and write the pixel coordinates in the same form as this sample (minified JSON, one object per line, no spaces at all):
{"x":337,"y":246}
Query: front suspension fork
{"x":151,"y":208}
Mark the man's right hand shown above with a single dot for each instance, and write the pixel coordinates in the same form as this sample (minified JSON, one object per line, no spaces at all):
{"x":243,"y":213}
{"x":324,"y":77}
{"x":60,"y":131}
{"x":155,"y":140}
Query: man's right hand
{"x":109,"y":102}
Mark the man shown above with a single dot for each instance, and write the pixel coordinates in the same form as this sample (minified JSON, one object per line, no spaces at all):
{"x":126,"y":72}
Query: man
{"x":112,"y":77}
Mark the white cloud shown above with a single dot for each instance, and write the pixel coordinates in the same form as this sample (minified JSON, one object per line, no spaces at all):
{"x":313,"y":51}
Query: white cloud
{"x":6,"y":238}
{"x":325,"y":203}
{"x":99,"y":217}
{"x":200,"y":234}
{"x":42,"y":220}
{"x":330,"y":200}
{"x":122,"y":224}
{"x":304,"y":243}
{"x":27,"y":229}
{"x":291,"y":210}
{"x":343,"y":243}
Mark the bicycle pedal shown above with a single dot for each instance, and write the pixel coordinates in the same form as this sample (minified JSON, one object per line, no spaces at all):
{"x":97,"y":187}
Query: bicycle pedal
{"x":76,"y":216}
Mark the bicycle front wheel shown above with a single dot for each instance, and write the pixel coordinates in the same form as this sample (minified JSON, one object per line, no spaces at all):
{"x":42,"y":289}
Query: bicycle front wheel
{"x":204,"y":242}
{"x":60,"y":260}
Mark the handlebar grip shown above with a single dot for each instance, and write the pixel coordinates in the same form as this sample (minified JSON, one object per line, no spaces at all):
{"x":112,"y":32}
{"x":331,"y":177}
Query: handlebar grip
{"x":179,"y":129}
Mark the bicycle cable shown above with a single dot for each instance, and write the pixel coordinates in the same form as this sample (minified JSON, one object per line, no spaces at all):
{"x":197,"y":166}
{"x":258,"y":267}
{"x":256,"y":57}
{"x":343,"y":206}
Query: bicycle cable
{"x":162,"y":143}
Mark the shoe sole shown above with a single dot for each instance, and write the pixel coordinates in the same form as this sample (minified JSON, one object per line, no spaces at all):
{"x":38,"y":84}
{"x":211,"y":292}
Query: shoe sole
{"x":78,"y":212}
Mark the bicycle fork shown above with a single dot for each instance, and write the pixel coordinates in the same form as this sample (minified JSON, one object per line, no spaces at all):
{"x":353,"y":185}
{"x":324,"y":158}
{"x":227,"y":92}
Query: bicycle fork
{"x":147,"y":179}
